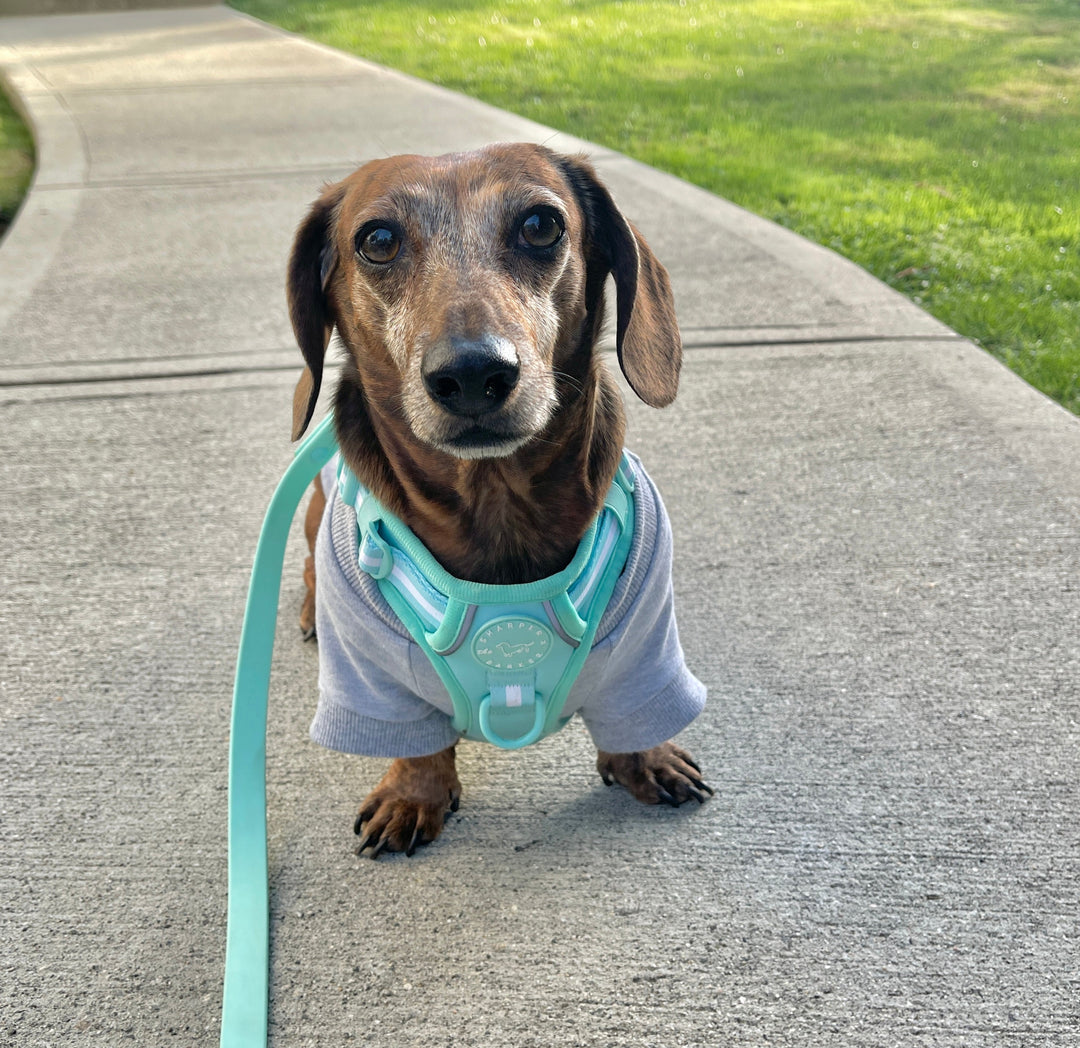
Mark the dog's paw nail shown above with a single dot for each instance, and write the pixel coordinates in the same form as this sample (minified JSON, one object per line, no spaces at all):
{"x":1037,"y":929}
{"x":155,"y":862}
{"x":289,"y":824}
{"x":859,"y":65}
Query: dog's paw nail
{"x":665,"y":797}
{"x":365,"y":841}
{"x":378,"y":849}
{"x":455,"y":801}
{"x":307,"y":634}
{"x":417,"y":839}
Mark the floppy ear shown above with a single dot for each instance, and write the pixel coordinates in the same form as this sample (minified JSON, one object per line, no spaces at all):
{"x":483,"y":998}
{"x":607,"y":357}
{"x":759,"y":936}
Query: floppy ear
{"x":646,"y":331}
{"x":311,"y":265}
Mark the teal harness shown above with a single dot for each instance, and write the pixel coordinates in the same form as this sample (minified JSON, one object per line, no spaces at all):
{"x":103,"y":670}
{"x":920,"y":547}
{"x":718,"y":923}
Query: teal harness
{"x":508,"y":655}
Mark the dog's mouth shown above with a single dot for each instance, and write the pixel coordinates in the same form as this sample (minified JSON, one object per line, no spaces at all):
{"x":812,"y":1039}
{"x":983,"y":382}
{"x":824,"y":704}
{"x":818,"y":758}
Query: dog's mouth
{"x":476,"y":441}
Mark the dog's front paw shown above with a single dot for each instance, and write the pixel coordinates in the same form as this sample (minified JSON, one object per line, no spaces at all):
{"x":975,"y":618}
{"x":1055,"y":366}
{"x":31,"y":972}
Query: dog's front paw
{"x":666,"y":774}
{"x":408,"y":807}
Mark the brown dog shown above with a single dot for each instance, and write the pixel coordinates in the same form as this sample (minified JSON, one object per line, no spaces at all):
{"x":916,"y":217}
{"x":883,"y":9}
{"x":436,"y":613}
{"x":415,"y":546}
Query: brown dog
{"x":468,"y":291}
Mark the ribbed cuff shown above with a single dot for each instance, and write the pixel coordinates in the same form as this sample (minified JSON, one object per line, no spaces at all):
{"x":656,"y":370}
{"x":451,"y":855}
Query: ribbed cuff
{"x":658,"y":720}
{"x":344,"y":730}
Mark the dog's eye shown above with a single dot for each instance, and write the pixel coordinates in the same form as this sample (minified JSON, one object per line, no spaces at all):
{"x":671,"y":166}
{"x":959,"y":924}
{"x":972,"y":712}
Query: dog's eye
{"x":378,"y":244}
{"x":541,"y":228}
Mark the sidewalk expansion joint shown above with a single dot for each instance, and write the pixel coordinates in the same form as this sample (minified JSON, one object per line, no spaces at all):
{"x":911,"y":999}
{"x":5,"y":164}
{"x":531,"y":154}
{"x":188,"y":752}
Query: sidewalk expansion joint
{"x":146,"y":376}
{"x":45,"y":375}
{"x":816,"y":340}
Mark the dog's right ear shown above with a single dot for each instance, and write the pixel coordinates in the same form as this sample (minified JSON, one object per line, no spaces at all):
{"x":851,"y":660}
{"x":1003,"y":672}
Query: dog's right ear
{"x":311,"y":266}
{"x":647,"y":330}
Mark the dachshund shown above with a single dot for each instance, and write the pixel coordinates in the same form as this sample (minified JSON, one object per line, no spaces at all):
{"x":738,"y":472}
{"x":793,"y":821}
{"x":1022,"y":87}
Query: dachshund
{"x":468,"y":293}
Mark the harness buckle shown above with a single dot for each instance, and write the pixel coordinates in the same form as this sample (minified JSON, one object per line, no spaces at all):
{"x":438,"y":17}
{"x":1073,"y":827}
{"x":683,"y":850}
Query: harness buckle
{"x":375,"y":555}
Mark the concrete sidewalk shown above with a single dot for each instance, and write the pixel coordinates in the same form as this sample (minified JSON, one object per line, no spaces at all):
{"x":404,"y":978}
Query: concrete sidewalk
{"x":877,"y":566}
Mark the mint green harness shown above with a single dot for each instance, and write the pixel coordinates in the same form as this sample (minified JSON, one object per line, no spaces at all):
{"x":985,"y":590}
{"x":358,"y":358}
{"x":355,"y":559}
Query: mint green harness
{"x":508,"y":655}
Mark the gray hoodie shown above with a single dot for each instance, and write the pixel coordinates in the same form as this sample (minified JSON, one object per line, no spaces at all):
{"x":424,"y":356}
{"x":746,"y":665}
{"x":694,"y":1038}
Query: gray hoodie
{"x":380,"y":696}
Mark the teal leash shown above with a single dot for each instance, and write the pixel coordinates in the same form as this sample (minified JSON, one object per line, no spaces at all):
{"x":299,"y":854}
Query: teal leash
{"x":244,"y":1010}
{"x":245,"y":1002}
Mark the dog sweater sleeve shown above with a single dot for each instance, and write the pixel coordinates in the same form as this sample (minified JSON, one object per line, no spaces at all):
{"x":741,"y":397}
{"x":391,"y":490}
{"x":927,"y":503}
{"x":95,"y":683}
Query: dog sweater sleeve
{"x":369,"y":700}
{"x":642,"y":692}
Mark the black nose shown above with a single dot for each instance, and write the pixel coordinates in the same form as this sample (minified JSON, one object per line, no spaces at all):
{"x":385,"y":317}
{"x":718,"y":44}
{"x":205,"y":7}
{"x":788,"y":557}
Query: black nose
{"x":470,"y":376}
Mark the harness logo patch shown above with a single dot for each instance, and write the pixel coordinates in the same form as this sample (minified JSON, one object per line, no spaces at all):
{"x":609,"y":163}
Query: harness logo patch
{"x":512,"y":644}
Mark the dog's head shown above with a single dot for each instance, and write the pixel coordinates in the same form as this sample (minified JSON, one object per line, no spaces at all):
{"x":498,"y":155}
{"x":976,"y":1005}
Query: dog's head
{"x":463,"y":286}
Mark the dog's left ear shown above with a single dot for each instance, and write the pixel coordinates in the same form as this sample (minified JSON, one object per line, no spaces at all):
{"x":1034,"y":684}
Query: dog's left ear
{"x":647,"y":331}
{"x":311,"y":265}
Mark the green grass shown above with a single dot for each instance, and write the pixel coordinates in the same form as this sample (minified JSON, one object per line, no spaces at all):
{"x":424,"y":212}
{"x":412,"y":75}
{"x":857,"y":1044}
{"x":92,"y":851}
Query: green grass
{"x":16,"y":162}
{"x":936,"y":144}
